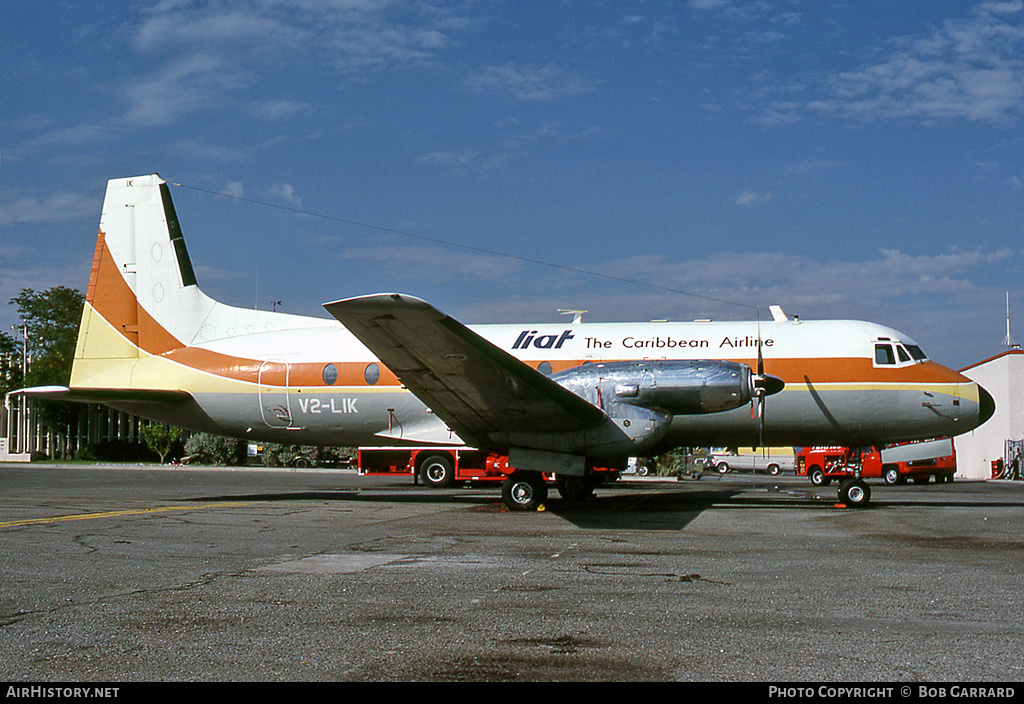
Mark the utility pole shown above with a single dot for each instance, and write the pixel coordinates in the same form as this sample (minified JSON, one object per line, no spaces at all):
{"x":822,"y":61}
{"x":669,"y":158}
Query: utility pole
{"x":23,"y":420}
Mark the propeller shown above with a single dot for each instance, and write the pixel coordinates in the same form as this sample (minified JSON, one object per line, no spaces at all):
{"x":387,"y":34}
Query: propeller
{"x":764,"y":385}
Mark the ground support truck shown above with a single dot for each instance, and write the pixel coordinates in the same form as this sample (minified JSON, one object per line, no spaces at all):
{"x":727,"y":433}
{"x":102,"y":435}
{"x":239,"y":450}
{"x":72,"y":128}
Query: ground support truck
{"x":444,"y":467}
{"x":916,"y":461}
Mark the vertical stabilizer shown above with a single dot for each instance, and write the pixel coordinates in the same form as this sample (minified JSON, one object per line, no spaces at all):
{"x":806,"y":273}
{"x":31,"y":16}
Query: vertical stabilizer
{"x":142,"y":296}
{"x":140,"y":230}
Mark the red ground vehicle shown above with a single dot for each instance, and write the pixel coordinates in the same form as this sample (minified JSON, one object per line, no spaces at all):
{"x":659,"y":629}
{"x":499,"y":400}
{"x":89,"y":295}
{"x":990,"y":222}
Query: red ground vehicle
{"x":442,"y":467}
{"x":917,"y":461}
{"x":435,"y":467}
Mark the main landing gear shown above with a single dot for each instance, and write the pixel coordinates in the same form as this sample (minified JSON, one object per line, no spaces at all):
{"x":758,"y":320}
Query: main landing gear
{"x":526,"y":491}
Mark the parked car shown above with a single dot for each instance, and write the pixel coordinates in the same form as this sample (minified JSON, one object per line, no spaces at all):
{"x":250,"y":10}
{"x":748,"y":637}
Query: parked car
{"x":772,"y":461}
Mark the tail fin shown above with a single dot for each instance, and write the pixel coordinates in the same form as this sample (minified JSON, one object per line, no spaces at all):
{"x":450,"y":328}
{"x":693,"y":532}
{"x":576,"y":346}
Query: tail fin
{"x":144,"y":309}
{"x":143,"y":298}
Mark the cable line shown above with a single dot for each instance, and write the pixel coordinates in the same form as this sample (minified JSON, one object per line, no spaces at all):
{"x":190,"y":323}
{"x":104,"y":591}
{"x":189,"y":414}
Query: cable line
{"x":472,"y":248}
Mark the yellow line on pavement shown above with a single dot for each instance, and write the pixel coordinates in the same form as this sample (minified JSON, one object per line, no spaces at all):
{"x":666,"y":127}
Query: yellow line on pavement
{"x":115,"y":514}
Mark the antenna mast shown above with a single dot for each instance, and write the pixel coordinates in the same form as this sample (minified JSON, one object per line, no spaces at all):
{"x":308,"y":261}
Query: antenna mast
{"x":1008,"y":340}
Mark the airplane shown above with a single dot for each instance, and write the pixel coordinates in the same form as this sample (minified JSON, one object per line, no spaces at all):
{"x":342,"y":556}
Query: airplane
{"x":556,"y":398}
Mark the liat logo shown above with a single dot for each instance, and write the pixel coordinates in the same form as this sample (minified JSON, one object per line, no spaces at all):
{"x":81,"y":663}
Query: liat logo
{"x":530,"y":338}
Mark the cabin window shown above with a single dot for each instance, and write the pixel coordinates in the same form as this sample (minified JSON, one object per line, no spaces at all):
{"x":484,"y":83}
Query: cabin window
{"x":883,"y":355}
{"x":372,"y":373}
{"x":330,"y":374}
{"x":544,"y":368}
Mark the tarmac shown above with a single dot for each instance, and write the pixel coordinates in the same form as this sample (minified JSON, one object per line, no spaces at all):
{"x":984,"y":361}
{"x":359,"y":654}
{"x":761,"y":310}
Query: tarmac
{"x":150,"y":574}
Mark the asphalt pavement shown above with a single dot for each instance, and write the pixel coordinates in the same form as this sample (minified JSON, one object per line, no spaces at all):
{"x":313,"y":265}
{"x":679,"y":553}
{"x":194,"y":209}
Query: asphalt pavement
{"x":143,"y":574}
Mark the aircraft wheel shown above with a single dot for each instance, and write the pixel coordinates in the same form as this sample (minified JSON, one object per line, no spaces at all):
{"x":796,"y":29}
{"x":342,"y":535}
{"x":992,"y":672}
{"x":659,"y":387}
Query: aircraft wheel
{"x":437,"y":471}
{"x":892,"y":476}
{"x":574,"y":488}
{"x":524,"y":491}
{"x":854,"y":493}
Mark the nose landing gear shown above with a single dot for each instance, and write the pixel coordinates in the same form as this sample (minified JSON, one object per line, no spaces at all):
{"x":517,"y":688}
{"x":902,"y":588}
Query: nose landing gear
{"x":854,"y":493}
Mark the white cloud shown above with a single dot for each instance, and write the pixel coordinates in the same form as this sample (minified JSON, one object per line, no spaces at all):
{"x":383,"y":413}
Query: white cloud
{"x":179,"y":87}
{"x":723,"y":285}
{"x":435,"y":263}
{"x":533,"y":83}
{"x":56,"y":207}
{"x":233,"y":189}
{"x":285,"y":192}
{"x":964,"y":69}
{"x":750,"y":198}
{"x":707,"y":4}
{"x":198,"y":57}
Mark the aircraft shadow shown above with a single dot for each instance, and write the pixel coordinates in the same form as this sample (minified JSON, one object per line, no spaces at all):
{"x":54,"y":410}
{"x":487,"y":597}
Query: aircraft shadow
{"x":662,"y":508}
{"x":668,"y":509}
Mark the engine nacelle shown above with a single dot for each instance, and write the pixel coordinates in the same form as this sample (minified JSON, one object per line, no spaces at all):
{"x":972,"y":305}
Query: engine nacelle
{"x":672,"y":387}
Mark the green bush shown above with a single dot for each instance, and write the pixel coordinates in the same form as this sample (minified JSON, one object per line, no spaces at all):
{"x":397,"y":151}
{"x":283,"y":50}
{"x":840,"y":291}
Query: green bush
{"x":680,"y":462}
{"x":280,"y":455}
{"x":205,"y":448}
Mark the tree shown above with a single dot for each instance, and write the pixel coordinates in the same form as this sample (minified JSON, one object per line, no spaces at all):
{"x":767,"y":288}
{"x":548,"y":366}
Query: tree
{"x":47,"y":337}
{"x":160,"y":439}
{"x":51,"y":318}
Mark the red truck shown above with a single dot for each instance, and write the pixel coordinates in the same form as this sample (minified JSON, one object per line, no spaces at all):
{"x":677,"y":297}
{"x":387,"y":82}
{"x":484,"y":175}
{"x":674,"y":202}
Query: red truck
{"x":916,"y":461}
{"x":434,"y":467}
{"x":442,"y":467}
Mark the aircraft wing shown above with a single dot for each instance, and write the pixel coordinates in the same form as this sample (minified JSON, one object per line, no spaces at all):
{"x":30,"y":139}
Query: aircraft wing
{"x":482,"y":392}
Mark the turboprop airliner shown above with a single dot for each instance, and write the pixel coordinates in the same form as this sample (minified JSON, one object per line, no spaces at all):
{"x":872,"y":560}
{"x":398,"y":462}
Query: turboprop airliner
{"x":556,"y":398}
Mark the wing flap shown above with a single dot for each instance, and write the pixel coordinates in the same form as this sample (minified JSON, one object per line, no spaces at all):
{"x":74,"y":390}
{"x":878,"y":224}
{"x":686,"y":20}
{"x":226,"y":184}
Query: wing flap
{"x":482,"y":392}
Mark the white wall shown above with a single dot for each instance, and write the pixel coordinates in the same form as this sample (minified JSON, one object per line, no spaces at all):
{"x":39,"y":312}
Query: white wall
{"x":1003,"y":377}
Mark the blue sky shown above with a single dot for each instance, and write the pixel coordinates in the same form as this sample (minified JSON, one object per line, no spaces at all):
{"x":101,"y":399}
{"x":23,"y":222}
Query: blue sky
{"x":841,"y":159}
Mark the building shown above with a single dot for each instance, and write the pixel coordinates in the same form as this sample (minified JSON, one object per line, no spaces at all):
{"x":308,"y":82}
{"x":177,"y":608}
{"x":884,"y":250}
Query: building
{"x":23,"y":435}
{"x":1003,"y":377}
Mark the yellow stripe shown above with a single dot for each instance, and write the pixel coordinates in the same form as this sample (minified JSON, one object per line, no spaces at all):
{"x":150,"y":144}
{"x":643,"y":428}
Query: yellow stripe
{"x":946,"y":389}
{"x":115,"y":514}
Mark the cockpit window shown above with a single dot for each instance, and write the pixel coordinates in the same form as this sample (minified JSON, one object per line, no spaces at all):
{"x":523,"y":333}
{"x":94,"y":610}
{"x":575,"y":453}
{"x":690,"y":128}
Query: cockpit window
{"x":895,"y":353}
{"x":883,"y":354}
{"x":916,"y":353}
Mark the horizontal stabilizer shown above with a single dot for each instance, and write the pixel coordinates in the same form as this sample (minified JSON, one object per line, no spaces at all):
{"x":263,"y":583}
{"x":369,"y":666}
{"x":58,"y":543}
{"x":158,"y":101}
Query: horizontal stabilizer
{"x":99,"y":395}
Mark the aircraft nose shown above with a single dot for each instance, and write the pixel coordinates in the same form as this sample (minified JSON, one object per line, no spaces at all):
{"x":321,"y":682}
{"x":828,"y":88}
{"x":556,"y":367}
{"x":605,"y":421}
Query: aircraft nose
{"x":986,"y":405}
